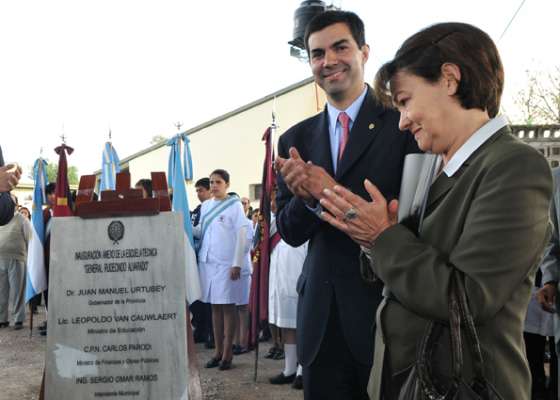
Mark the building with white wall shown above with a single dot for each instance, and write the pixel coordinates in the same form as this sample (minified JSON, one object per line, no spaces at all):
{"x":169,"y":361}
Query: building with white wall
{"x":233,"y":141}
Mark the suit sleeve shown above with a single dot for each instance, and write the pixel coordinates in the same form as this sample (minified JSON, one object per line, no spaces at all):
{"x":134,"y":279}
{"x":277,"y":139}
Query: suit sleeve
{"x":296,"y":223}
{"x":502,"y":239}
{"x":7,"y":208}
{"x":550,"y":266}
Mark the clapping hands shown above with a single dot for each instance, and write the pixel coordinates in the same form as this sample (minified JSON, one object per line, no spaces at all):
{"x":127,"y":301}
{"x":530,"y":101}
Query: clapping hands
{"x":304,"y":179}
{"x":9,"y":177}
{"x":363,"y":221}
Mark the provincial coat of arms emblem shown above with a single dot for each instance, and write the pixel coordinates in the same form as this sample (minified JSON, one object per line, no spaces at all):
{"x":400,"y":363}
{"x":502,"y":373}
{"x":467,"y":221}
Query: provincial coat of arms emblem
{"x":115,"y":231}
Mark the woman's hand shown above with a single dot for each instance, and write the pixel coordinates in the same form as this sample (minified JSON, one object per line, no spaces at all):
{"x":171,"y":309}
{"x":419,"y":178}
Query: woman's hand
{"x":363,"y":221}
{"x":546,"y":296}
{"x":235,"y":273}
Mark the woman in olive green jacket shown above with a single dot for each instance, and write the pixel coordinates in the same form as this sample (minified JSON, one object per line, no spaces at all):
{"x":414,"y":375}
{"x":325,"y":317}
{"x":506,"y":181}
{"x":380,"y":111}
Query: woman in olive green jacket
{"x":486,"y":213}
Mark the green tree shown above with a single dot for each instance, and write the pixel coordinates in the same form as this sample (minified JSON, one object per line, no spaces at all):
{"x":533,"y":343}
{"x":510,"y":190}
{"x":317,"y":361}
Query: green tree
{"x":539,"y":101}
{"x":52,"y":170}
{"x":157,"y":139}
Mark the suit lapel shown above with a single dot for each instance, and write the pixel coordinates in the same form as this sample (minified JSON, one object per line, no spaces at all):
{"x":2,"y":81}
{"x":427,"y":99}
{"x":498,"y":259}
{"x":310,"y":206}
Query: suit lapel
{"x":364,"y":131}
{"x":440,"y":187}
{"x":443,"y":183}
{"x":319,"y":149}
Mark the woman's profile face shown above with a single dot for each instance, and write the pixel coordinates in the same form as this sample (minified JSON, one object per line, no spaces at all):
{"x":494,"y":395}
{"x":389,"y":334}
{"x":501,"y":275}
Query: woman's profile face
{"x":25,"y":212}
{"x":422,"y":106}
{"x":218,"y":186}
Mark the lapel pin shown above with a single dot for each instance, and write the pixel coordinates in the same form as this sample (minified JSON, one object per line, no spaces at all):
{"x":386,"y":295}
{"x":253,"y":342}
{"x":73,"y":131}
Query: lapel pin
{"x":371,"y":126}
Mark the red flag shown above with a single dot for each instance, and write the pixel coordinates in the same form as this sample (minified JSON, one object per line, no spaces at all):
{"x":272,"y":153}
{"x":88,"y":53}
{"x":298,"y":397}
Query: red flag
{"x":258,"y":301}
{"x":62,"y":205}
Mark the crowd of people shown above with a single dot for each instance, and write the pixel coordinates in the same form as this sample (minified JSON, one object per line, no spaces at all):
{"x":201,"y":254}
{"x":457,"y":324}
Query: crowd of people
{"x":454,"y":298}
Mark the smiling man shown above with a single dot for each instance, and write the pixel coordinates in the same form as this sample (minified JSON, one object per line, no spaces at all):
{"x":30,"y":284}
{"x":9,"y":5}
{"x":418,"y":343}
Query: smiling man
{"x":354,"y":138}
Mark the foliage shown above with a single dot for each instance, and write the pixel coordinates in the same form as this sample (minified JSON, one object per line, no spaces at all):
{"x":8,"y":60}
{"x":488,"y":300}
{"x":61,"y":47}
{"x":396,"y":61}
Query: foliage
{"x":52,"y":170}
{"x":158,"y":139}
{"x":539,"y":102}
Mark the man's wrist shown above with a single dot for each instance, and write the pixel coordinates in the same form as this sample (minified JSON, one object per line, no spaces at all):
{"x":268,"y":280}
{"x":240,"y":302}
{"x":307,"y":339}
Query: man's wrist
{"x":311,"y":202}
{"x":317,"y":209}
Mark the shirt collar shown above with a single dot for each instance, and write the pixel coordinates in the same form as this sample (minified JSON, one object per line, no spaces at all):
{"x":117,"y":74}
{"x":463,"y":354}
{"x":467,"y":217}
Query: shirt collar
{"x":351,"y":111}
{"x":476,"y":140}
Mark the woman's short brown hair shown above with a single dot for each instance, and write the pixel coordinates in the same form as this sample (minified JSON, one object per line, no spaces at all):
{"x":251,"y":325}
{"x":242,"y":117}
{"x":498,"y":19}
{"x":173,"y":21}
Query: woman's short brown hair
{"x":471,"y":49}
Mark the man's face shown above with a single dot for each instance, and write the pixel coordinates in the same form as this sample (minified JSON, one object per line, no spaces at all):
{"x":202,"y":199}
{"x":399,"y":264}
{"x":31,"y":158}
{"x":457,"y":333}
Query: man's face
{"x":51,"y":197}
{"x":246,"y":204}
{"x":203,"y":194}
{"x":337,"y":62}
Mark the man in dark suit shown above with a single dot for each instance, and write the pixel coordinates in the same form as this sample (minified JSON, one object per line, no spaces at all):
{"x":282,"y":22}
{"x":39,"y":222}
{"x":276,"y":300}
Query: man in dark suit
{"x":354,"y":138}
{"x":9,"y":178}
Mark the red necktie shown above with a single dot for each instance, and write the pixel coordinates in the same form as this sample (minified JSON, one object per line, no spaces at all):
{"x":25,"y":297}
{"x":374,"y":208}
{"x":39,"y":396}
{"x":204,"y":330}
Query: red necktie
{"x":344,"y":120}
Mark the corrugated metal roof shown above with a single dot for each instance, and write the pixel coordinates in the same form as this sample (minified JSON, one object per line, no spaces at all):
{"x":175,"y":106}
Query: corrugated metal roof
{"x":222,"y":117}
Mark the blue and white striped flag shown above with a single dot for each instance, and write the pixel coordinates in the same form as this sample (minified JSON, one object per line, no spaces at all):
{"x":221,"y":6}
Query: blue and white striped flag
{"x":176,"y":180}
{"x":187,"y":159}
{"x":109,"y":168}
{"x":36,"y":274}
{"x":187,"y":168}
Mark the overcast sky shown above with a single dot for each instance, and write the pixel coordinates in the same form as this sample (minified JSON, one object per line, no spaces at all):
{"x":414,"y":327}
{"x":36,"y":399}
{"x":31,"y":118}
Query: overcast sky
{"x":137,"y":66}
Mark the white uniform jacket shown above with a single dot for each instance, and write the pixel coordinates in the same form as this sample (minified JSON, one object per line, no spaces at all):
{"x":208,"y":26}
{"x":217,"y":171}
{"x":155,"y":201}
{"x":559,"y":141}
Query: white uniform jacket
{"x":226,"y":243}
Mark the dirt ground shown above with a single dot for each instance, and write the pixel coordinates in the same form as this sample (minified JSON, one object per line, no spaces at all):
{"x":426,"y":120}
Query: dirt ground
{"x":22,"y":359}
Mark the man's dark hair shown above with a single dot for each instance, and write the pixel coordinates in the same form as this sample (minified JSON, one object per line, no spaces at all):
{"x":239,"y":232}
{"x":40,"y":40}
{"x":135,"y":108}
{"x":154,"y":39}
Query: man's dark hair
{"x":204,"y":182}
{"x":328,"y":18}
{"x":50,"y":188}
{"x":468,"y":47}
{"x":252,"y":212}
{"x":147,"y":185}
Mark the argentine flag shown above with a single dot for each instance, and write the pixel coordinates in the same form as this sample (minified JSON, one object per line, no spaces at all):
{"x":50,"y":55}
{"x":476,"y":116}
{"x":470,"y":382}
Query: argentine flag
{"x":36,"y":275}
{"x":109,"y":168}
{"x":176,"y":181}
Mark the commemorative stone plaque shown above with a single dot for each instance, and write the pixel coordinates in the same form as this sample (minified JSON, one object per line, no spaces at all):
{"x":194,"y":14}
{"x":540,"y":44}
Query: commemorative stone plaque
{"x":116,"y":317}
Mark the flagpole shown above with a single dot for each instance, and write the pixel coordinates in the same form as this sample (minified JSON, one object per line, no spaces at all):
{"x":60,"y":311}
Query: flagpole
{"x":30,"y":319}
{"x":263,"y":248}
{"x":273,"y":129}
{"x":35,"y":277}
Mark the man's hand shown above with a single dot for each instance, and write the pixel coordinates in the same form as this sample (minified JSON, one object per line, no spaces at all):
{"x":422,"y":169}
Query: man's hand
{"x":318,"y":180}
{"x":9,"y":177}
{"x":546,"y":297}
{"x":235,"y":273}
{"x":294,"y":172}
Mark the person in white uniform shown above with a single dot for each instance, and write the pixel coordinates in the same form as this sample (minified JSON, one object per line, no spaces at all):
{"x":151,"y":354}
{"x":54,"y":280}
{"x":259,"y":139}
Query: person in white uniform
{"x":286,"y":263}
{"x":224,"y":263}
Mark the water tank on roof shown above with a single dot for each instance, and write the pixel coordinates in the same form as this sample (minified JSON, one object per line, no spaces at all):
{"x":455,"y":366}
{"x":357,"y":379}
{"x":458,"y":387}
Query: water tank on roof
{"x":305,"y":12}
